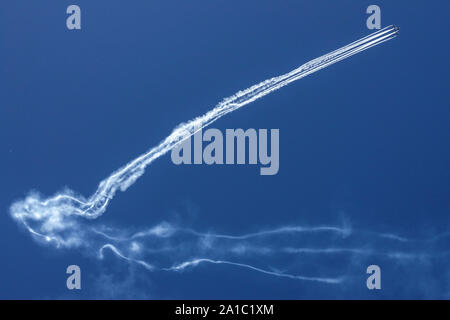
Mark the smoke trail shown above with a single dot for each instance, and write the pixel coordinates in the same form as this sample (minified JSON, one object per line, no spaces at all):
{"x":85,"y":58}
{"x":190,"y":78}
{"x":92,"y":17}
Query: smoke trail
{"x":267,"y":242}
{"x":197,"y":261}
{"x":176,"y":249}
{"x":56,"y":219}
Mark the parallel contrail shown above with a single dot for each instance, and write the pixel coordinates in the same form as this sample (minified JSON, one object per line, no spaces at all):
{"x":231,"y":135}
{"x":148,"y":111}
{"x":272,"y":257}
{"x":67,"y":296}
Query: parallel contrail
{"x":53,"y":219}
{"x":53,"y":210}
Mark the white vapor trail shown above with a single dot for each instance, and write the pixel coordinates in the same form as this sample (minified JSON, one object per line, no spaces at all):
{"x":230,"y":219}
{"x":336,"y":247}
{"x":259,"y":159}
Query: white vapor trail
{"x":197,"y":261}
{"x":55,"y":219}
{"x":282,"y":230}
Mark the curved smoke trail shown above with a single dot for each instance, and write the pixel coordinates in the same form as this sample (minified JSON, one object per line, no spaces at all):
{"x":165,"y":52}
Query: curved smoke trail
{"x":273,"y":249}
{"x":55,"y":219}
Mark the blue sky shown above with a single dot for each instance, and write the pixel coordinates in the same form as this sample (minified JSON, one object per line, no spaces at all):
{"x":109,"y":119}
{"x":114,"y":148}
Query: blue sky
{"x":363,"y":143}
